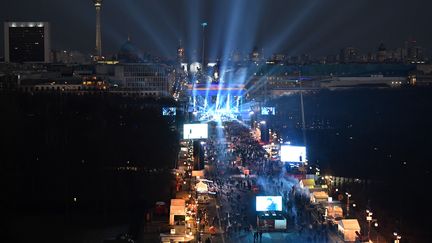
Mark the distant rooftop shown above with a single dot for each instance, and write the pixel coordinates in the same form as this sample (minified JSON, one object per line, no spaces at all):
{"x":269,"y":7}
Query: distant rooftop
{"x":26,"y":24}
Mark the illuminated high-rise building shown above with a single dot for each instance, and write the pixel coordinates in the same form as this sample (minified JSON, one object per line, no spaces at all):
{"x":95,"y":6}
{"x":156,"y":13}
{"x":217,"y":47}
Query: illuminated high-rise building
{"x":414,"y":52}
{"x":98,"y":5}
{"x":27,"y":42}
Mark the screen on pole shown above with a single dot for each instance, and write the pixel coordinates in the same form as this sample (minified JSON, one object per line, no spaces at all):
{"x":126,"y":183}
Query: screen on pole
{"x":290,"y":153}
{"x":268,"y":111}
{"x":169,"y":111}
{"x":268,"y":203}
{"x":195,"y":131}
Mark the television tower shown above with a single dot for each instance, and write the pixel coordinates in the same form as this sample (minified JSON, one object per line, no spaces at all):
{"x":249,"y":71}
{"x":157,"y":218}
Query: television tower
{"x":204,"y":24}
{"x":98,"y":5}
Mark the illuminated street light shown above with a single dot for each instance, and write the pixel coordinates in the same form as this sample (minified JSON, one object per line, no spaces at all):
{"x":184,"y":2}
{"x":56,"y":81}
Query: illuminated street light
{"x":369,"y":220}
{"x":376,"y":226}
{"x":397,"y":236}
{"x":347,"y":205}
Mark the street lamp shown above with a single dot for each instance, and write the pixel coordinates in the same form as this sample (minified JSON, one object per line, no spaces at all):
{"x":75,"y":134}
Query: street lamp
{"x":397,"y":237}
{"x":376,"y":229}
{"x":369,"y":220}
{"x":347,"y":205}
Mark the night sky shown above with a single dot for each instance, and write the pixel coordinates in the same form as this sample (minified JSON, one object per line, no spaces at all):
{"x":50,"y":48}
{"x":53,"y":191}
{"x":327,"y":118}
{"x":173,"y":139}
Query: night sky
{"x":317,"y":27}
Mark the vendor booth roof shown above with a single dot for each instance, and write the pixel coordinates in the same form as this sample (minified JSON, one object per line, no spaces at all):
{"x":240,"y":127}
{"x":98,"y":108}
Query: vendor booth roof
{"x":349,"y":224}
{"x":310,"y":183}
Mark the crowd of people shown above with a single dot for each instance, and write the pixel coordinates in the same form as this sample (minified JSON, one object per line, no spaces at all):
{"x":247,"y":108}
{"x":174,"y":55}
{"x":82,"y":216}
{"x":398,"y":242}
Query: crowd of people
{"x":236,"y":149}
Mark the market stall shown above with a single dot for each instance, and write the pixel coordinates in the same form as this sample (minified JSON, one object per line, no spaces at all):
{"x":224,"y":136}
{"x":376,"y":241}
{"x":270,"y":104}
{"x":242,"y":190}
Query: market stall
{"x":349,"y":228}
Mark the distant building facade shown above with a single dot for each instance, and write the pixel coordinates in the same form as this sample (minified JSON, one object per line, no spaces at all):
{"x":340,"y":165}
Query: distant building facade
{"x":414,"y":52}
{"x":256,"y":55}
{"x":147,"y":78}
{"x":349,"y":55}
{"x":382,"y":53}
{"x":69,"y":57}
{"x":27,"y":42}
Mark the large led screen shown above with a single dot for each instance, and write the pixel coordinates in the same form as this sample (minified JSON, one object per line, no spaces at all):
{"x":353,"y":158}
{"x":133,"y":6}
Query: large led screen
{"x":268,"y":203}
{"x":268,"y":111}
{"x":195,"y":131}
{"x":169,"y":111}
{"x":290,"y":153}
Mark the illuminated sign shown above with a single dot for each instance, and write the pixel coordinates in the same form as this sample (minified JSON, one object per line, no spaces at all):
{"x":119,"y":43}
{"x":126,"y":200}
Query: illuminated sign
{"x":195,"y":131}
{"x":169,"y":111}
{"x":290,"y":153}
{"x":268,"y":203}
{"x":268,"y":111}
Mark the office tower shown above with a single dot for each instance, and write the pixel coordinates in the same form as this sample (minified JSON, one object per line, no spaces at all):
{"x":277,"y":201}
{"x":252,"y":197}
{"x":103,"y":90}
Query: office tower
{"x":27,"y":42}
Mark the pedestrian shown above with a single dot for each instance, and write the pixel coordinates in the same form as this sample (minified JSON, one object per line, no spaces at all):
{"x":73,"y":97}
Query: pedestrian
{"x":255,"y":235}
{"x":260,"y":236}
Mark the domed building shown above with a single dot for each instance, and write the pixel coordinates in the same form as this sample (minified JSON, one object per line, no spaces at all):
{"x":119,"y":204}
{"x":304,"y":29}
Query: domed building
{"x":128,"y":53}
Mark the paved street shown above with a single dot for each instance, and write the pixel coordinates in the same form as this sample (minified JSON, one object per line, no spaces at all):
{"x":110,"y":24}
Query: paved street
{"x":236,"y":199}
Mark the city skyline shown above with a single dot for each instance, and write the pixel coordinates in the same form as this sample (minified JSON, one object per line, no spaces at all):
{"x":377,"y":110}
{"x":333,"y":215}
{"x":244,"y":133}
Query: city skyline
{"x":314,"y":27}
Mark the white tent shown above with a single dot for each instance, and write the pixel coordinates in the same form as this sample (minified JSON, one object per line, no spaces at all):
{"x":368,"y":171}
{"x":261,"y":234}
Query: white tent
{"x":205,"y":180}
{"x":348,"y":229}
{"x":334,"y":211}
{"x":177,"y":207}
{"x":199,"y":173}
{"x":319,"y":196}
{"x":201,"y":187}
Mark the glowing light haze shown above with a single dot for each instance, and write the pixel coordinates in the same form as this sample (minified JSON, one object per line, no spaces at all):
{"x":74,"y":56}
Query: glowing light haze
{"x":313,"y":26}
